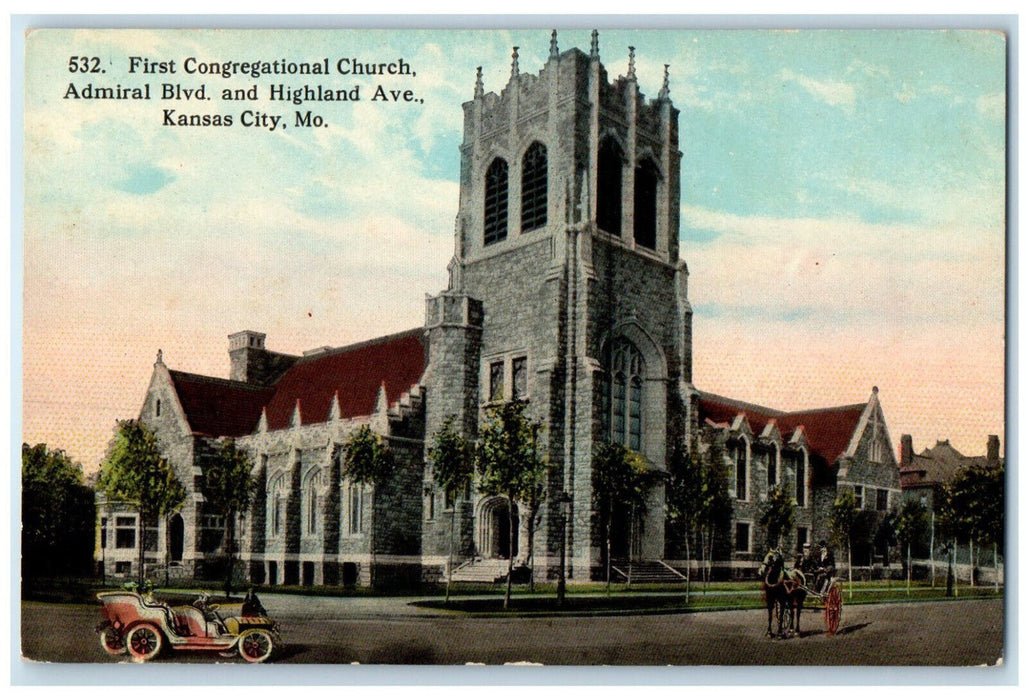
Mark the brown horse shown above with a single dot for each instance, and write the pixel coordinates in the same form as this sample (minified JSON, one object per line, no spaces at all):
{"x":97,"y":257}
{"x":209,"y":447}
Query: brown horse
{"x":783,"y":592}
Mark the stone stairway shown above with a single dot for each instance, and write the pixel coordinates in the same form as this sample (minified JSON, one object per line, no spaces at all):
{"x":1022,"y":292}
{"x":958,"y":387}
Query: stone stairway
{"x":481,"y":571}
{"x":645,"y":572}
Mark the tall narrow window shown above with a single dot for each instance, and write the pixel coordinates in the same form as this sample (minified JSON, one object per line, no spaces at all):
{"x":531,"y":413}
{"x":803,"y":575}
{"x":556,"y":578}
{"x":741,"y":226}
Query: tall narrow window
{"x":859,"y":497}
{"x":773,"y":472}
{"x":622,"y":400}
{"x":645,"y":205}
{"x":496,"y":381}
{"x":801,"y":481}
{"x":609,"y":187}
{"x":742,"y":537}
{"x":312,"y":512}
{"x":741,"y":471}
{"x":495,"y":213}
{"x":534,"y":187}
{"x":519,"y":379}
{"x":355,"y":508}
{"x":157,"y":408}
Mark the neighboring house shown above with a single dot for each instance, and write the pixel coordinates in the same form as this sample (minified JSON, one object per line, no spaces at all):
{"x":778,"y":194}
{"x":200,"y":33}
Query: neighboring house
{"x":814,"y":454}
{"x":566,"y":291}
{"x":923,"y":476}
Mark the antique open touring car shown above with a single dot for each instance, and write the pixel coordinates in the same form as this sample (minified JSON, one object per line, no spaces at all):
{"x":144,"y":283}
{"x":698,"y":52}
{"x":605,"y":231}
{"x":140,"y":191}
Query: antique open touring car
{"x":136,"y":624}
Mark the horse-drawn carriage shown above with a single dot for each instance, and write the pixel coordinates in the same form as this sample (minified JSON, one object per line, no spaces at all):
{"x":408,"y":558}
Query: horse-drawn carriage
{"x":785,"y":591}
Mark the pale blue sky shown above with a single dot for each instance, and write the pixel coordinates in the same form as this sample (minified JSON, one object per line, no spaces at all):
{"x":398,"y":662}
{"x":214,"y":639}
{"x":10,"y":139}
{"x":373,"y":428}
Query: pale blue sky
{"x":842,"y":214}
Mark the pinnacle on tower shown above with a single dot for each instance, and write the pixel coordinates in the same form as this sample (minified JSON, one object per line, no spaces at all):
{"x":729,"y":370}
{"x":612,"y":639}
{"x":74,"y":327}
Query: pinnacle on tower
{"x":632,"y":63}
{"x":595,"y":44}
{"x":478,"y":82}
{"x":514,"y":63}
{"x":663,"y":94}
{"x":553,"y":44}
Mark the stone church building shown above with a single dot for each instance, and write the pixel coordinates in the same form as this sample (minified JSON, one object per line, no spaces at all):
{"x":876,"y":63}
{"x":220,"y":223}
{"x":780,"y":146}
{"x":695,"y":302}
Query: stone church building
{"x":566,"y":291}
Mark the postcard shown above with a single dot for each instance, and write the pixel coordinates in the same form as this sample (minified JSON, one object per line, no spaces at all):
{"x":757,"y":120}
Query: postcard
{"x":542,"y":347}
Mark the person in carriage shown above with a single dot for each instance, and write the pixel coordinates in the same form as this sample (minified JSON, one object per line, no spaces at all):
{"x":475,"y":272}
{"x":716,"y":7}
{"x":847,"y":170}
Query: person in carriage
{"x":826,"y":568}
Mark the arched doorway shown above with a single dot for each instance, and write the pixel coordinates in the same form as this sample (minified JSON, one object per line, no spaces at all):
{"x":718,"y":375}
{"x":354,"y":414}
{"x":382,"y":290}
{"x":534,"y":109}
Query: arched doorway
{"x":493,"y":529}
{"x":176,"y":537}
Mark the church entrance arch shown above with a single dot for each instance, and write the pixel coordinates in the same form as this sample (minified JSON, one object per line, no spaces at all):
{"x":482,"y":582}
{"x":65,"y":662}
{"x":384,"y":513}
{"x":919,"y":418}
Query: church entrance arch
{"x":493,"y":528}
{"x":176,"y":537}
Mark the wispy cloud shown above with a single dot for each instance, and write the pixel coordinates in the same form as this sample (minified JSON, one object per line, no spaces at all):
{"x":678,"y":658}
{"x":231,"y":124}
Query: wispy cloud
{"x":832,"y":92}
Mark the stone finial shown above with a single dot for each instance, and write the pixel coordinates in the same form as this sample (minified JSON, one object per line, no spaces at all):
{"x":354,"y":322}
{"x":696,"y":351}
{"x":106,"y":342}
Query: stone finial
{"x":595,"y":44}
{"x":160,"y":357}
{"x":514,"y":63}
{"x":478,"y":82}
{"x":632,"y":63}
{"x":553,"y":44}
{"x":663,"y":94}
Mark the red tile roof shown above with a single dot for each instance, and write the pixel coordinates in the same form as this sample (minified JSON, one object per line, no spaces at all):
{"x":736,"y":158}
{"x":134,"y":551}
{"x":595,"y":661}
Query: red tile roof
{"x":219,"y":407}
{"x":354,"y":372}
{"x":828,"y":430}
{"x":225,"y":408}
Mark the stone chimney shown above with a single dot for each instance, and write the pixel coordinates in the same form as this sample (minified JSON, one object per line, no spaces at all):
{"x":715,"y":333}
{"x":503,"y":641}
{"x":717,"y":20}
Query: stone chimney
{"x":993,"y":449}
{"x":907,"y":451}
{"x":251,"y":363}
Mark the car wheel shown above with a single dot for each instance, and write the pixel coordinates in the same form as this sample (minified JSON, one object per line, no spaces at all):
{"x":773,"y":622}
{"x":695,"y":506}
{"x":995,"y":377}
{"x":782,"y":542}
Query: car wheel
{"x":256,"y":646}
{"x":112,"y":641}
{"x":144,"y":642}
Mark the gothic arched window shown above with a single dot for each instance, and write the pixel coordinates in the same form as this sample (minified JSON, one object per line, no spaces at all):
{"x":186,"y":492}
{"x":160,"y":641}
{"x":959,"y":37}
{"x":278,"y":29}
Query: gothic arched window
{"x":495,"y":210}
{"x":609,"y":187}
{"x":534,"y":187}
{"x":276,"y":503}
{"x":313,"y":501}
{"x":645,"y":205}
{"x":621,"y":401}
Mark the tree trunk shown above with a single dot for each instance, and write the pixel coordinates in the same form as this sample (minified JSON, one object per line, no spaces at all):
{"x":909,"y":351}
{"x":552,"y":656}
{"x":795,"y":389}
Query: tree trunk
{"x":531,"y":559}
{"x":996,"y":570}
{"x":450,"y":555}
{"x":971,"y":563}
{"x":142,"y":547}
{"x":687,"y":565}
{"x":909,"y":568}
{"x":167,"y":547}
{"x":607,"y":556}
{"x":632,"y":539}
{"x":932,"y":550}
{"x":230,"y":536}
{"x":510,"y":550}
{"x":850,"y":572}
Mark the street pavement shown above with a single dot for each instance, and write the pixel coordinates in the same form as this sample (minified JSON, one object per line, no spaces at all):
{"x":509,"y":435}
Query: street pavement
{"x":321,"y":630}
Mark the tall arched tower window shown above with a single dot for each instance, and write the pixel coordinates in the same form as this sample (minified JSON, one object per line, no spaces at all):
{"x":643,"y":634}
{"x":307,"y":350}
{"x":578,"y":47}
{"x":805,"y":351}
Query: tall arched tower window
{"x":645,"y":205}
{"x":534,"y":187}
{"x":495,"y":209}
{"x":609,"y":187}
{"x":622,"y":395}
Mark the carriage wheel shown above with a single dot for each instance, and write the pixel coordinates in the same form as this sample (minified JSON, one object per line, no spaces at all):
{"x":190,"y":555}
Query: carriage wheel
{"x":787,"y":619}
{"x":112,"y":641}
{"x":256,"y":646}
{"x":144,"y":642}
{"x":833,"y":610}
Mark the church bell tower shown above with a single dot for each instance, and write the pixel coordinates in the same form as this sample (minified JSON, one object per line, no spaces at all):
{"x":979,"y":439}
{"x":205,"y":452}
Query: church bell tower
{"x":566,"y":291}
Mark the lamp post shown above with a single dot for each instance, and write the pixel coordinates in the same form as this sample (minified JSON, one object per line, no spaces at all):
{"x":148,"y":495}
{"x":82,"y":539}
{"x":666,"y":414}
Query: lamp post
{"x":564,"y":503}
